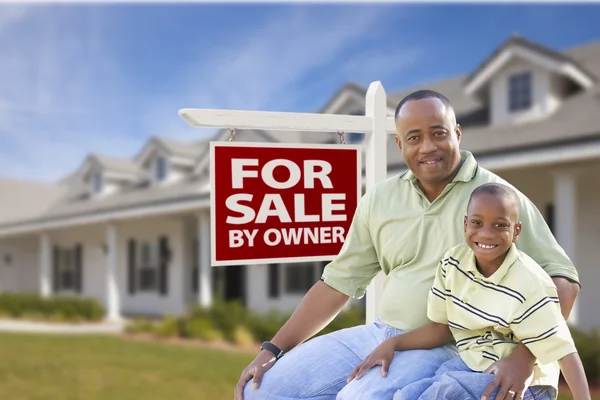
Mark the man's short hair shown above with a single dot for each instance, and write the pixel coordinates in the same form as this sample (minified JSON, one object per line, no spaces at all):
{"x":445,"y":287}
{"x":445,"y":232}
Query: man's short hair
{"x":422,"y":94}
{"x":497,"y":189}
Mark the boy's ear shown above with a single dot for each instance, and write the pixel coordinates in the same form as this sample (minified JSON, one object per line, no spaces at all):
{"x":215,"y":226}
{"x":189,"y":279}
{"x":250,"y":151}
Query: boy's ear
{"x":465,"y":225}
{"x":518,"y":227}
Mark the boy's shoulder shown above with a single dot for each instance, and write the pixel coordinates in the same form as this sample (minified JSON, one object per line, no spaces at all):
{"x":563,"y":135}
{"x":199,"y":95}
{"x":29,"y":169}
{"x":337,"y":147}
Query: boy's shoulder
{"x":458,"y":252}
{"x":528,"y":274}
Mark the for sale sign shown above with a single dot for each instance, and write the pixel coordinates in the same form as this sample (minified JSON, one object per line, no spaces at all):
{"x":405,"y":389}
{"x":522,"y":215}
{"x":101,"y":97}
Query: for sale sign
{"x":276,"y":202}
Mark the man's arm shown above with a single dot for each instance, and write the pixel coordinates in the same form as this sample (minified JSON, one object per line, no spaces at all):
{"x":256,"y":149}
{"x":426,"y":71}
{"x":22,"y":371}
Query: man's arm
{"x":346,"y":276}
{"x":318,"y":308}
{"x":567,"y":293}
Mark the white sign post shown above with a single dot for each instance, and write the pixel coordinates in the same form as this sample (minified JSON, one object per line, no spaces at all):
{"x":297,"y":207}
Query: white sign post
{"x":375,"y":124}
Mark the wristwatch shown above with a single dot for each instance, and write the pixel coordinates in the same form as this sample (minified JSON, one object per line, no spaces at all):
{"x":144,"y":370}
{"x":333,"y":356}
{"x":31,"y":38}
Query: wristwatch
{"x":277,"y":352}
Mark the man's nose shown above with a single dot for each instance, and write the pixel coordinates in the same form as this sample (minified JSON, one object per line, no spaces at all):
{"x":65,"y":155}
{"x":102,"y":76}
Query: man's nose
{"x":428,"y":146}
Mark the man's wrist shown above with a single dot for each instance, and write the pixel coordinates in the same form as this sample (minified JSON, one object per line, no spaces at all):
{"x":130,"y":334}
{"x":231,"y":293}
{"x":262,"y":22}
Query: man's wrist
{"x":273,"y":349}
{"x":523,"y":353}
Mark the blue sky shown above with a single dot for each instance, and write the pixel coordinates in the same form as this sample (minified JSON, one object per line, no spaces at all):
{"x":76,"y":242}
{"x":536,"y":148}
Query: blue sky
{"x":81,"y":78}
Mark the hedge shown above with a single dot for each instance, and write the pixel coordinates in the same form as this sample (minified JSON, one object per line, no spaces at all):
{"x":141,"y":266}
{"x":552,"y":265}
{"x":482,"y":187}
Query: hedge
{"x":54,"y":308}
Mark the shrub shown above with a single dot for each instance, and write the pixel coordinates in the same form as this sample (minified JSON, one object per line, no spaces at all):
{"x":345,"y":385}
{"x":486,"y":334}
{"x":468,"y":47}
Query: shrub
{"x":202,"y":328}
{"x":242,"y":336}
{"x":168,"y":327}
{"x":140,"y":325}
{"x":50,"y":308}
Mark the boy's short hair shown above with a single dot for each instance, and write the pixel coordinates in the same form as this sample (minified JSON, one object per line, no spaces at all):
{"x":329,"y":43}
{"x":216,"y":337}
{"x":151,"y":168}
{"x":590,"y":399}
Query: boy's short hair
{"x":497,"y":189}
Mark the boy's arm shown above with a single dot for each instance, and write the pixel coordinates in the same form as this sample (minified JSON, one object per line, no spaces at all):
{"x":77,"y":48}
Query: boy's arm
{"x":428,"y":336}
{"x":572,"y":370}
{"x":434,"y":334}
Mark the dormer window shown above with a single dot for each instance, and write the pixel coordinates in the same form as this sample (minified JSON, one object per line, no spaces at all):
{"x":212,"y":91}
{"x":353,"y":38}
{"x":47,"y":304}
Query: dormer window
{"x":161,"y":168}
{"x":520,"y":91}
{"x":97,"y":182}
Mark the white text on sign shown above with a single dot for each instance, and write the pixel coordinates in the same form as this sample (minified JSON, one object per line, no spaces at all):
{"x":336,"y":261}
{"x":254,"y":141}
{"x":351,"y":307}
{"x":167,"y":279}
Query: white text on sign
{"x":272,"y":204}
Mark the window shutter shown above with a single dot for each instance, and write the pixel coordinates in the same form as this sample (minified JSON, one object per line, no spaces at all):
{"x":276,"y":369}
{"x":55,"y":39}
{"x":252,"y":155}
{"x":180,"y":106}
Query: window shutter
{"x":55,"y":269}
{"x":274,"y":281}
{"x":131,"y":266}
{"x":163,"y":243}
{"x":195,"y":266}
{"x":78,"y":268}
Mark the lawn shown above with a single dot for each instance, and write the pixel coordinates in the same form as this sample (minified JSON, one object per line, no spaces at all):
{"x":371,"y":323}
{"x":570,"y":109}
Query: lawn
{"x":36,"y":367}
{"x":49,"y":367}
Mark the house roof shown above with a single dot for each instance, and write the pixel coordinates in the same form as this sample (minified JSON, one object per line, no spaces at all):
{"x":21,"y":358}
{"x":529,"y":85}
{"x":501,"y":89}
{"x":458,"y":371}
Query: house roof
{"x":517,"y":40}
{"x":115,"y":164}
{"x":25,"y":199}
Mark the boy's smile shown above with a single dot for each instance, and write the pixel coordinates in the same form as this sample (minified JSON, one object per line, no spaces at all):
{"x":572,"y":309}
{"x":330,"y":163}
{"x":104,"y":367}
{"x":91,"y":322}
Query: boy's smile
{"x":491,"y":226}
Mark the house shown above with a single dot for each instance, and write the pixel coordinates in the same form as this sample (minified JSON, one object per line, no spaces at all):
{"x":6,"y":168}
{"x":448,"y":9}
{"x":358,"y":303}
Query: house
{"x":134,"y":233}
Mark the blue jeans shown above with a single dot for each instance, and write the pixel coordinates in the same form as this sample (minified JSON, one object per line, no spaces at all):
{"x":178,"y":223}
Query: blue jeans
{"x":318,"y":368}
{"x":454,"y":380}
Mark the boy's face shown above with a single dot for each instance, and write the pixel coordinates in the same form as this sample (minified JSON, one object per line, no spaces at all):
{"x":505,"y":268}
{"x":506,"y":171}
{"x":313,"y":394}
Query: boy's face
{"x":491,"y":226}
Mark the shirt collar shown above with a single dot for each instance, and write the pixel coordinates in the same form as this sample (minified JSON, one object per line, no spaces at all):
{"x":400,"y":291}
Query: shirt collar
{"x":511,"y":256}
{"x":467,"y":171}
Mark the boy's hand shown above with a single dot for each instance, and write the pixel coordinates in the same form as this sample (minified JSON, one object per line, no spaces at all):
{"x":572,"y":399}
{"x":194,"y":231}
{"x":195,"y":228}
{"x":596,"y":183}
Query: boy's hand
{"x":382,"y":355}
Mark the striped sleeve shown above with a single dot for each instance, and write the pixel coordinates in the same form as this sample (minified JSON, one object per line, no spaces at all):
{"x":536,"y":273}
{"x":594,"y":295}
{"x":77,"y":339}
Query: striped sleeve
{"x":540,"y":325}
{"x":436,"y":302}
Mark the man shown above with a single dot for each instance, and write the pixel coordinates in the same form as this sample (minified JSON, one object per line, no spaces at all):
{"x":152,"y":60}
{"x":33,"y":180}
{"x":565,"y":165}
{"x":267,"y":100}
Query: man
{"x":401,"y":227}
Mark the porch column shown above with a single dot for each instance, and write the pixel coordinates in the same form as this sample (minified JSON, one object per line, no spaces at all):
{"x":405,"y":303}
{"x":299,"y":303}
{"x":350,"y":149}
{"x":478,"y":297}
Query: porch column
{"x":45,"y":265}
{"x":112,"y":261}
{"x":565,"y":217}
{"x":204,"y":271}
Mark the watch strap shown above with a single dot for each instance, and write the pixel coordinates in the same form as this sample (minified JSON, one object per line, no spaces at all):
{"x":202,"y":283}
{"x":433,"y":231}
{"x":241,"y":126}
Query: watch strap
{"x":277,"y":352}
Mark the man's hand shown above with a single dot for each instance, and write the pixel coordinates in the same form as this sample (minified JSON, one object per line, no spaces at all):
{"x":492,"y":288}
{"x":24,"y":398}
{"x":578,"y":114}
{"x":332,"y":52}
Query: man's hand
{"x":382,"y":355}
{"x":257,"y":368}
{"x":513,"y":375}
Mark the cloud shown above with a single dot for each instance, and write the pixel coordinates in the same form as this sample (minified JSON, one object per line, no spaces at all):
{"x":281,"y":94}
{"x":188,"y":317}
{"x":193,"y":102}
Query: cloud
{"x":67,"y":93}
{"x":48,"y":94}
{"x":265,"y":69}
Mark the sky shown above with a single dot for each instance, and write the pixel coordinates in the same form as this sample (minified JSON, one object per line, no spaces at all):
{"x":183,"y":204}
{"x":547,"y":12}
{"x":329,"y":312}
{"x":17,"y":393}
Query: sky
{"x":84,"y":78}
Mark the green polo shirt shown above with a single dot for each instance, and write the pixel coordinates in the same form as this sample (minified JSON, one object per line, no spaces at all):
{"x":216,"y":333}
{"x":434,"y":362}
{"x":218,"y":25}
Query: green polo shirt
{"x":489,"y":316}
{"x":396,"y":230}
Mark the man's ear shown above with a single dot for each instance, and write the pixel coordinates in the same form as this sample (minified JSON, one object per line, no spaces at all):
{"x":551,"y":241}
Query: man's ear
{"x":518,"y":228}
{"x":458,"y":131}
{"x":399,"y":142}
{"x":465,"y":226}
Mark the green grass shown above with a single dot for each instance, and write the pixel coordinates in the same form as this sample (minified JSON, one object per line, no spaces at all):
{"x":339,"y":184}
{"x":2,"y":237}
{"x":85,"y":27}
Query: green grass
{"x":45,"y":367}
{"x":49,"y":367}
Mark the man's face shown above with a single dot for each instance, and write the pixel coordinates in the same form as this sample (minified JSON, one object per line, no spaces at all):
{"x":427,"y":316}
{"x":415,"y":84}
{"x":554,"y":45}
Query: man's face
{"x":491,"y":226}
{"x":428,"y":137}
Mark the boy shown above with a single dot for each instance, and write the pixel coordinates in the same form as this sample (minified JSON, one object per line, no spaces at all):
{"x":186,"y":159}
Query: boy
{"x":488,"y":296}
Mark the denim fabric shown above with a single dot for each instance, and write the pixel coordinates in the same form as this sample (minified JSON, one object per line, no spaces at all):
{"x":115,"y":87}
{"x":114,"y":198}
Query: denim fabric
{"x":318,"y":368}
{"x":455,"y":381}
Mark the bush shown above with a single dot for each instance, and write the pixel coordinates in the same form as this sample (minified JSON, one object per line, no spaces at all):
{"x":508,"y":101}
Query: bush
{"x":140,"y":325}
{"x":168,"y":327}
{"x":54,"y":308}
{"x":202,"y":328}
{"x":242,"y":336}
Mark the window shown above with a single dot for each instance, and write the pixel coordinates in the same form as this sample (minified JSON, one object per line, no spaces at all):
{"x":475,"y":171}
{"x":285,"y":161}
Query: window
{"x":161,"y":168}
{"x":149,"y":257}
{"x":519,"y":91}
{"x":97,"y":182}
{"x":67,"y":268}
{"x":299,"y":278}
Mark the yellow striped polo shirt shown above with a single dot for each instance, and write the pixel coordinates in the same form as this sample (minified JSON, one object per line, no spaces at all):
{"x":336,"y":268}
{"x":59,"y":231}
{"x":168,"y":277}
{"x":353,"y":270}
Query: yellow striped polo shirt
{"x":490,"y":316}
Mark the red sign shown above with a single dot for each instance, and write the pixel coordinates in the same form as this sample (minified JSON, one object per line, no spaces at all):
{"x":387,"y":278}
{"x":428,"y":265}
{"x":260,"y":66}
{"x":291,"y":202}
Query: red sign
{"x":276,"y":202}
